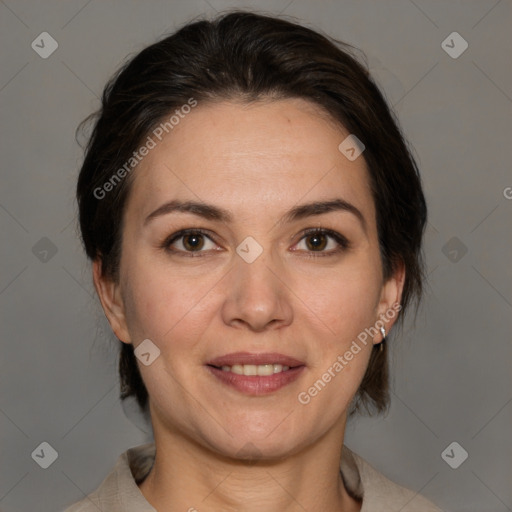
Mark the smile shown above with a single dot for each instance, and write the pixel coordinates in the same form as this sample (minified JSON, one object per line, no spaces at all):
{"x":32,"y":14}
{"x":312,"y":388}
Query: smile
{"x":253,"y":369}
{"x":253,"y":383}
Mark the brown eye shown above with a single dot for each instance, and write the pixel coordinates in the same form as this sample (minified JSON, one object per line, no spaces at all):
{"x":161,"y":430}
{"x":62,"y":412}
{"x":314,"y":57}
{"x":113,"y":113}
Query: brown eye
{"x":322,"y":242}
{"x":189,"y":242}
{"x":316,"y":241}
{"x":193,"y":242}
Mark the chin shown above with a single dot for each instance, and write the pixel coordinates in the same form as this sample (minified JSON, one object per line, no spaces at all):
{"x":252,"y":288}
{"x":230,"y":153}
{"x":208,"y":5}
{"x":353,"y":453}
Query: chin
{"x":254,"y":451}
{"x":253,"y":444}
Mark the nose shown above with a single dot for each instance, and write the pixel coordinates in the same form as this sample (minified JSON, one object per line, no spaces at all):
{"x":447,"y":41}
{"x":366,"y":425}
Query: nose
{"x":256,"y":297}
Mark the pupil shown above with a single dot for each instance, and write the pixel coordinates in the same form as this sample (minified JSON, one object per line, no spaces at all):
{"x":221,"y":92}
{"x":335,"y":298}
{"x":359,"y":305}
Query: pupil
{"x":193,"y":242}
{"x":316,"y":242}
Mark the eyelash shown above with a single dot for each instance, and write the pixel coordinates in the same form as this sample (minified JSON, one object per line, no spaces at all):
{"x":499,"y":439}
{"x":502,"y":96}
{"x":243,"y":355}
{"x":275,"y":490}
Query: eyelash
{"x":343,"y":243}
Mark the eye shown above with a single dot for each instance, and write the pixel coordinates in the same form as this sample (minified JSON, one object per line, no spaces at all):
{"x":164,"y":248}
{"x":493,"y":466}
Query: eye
{"x":189,"y":241}
{"x":322,"y":241}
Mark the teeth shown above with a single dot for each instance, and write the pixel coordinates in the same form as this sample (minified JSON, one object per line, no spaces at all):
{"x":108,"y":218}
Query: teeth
{"x":255,"y":369}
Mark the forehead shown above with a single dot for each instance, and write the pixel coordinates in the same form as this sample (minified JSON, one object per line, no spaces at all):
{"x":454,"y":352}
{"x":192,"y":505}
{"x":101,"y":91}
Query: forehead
{"x":267,"y":155}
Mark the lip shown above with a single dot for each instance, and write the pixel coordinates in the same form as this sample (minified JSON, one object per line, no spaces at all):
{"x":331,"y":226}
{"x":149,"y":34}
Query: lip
{"x":256,"y":384}
{"x":255,"y":358}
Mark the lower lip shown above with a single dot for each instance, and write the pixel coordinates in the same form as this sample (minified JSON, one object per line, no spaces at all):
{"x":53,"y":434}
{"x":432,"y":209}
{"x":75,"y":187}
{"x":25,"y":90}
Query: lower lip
{"x":256,"y":384}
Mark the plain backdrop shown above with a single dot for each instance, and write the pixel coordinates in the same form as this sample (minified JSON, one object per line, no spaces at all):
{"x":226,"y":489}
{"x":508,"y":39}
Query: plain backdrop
{"x":451,"y":371}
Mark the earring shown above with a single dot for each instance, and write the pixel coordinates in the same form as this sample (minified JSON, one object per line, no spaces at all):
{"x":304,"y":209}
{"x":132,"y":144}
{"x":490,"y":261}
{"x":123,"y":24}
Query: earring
{"x":383,"y":332}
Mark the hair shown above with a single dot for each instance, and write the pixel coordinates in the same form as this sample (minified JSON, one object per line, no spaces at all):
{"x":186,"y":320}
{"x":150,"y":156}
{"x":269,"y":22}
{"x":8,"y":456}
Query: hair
{"x":248,"y":57}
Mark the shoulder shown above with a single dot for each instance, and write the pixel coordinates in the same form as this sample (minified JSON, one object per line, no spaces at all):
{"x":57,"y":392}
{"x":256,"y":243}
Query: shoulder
{"x":378,"y":492}
{"x":119,"y":490}
{"x":82,"y":506}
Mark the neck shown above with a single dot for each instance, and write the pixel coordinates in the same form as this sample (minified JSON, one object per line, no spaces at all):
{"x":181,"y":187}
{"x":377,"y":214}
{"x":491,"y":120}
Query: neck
{"x":187,"y":476}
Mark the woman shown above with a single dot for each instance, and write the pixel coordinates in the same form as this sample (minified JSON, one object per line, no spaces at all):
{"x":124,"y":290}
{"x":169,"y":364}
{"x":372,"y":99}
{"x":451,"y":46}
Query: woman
{"x":254,"y":221}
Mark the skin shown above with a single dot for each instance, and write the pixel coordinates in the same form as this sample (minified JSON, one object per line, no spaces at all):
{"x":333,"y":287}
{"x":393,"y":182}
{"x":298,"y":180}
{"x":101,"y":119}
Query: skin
{"x":257,"y":161}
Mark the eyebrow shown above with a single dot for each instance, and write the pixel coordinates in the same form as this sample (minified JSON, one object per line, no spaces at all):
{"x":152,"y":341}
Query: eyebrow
{"x":211,"y":212}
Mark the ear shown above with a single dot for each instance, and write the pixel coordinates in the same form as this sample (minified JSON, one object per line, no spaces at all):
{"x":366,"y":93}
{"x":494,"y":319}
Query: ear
{"x":389,"y":304}
{"x":112,"y":302}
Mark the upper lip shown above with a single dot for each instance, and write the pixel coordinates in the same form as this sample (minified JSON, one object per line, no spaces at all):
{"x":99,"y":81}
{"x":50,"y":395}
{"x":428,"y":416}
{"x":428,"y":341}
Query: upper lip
{"x":253,"y":358}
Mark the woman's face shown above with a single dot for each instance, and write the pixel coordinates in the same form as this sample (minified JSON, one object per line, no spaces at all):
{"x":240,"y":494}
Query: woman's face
{"x":279,"y":264}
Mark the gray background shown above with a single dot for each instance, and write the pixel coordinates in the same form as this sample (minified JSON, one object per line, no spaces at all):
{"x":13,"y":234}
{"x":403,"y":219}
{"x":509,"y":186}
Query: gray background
{"x":452,"y":378}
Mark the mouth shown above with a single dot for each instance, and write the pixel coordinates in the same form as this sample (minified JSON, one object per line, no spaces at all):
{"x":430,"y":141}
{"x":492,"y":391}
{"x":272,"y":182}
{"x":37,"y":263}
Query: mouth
{"x":256,"y":374}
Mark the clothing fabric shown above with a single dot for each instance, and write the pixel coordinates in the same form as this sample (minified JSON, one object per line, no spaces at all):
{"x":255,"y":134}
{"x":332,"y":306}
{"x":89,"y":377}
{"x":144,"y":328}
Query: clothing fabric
{"x":119,"y":492}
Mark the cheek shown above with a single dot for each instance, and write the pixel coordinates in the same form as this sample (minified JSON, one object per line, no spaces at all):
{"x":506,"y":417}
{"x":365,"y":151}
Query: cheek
{"x":346,"y":307}
{"x":160,"y":304}
{"x":344,"y":299}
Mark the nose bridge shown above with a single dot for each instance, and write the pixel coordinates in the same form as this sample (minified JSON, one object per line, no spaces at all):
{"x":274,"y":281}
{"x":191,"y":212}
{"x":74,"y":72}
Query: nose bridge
{"x":254,"y":295}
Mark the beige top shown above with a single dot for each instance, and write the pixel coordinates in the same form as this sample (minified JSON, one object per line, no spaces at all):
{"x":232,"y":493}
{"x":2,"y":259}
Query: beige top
{"x":119,"y":491}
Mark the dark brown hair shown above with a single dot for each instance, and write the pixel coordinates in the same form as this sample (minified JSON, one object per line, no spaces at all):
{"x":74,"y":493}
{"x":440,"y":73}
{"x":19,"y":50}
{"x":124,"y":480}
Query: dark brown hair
{"x":247,"y":57}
